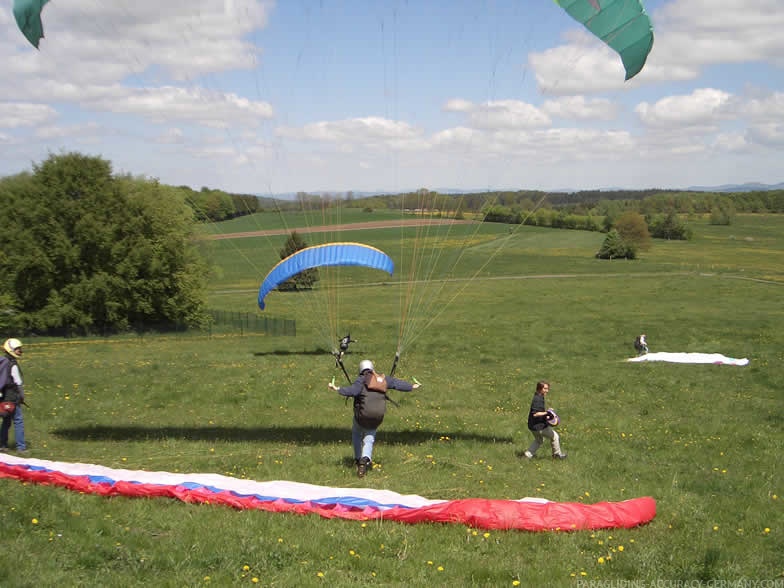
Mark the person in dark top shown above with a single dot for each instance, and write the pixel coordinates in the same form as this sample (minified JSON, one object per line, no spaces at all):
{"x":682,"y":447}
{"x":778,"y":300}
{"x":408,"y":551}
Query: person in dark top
{"x":538,"y":425}
{"x":370,"y":404}
{"x":13,"y":391}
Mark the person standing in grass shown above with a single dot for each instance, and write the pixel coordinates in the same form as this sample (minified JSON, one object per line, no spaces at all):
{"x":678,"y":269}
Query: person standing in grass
{"x":13,"y":391}
{"x":370,"y":405}
{"x":538,"y":425}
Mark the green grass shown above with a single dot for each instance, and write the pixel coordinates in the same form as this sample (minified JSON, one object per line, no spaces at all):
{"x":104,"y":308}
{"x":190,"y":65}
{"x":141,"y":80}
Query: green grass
{"x":705,"y":441}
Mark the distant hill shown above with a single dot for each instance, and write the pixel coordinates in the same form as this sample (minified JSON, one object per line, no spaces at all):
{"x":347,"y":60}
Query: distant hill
{"x":747,"y":187}
{"x":617,"y":191}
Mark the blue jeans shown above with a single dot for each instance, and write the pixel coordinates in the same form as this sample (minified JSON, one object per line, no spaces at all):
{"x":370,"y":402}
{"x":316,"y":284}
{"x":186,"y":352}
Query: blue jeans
{"x":18,"y":429}
{"x":363,"y":440}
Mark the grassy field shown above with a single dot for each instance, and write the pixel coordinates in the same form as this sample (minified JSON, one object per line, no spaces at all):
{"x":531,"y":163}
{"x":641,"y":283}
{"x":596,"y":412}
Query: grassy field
{"x":527,"y":303}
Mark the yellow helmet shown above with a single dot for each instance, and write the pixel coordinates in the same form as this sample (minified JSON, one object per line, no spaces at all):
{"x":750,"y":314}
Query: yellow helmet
{"x":13,"y":347}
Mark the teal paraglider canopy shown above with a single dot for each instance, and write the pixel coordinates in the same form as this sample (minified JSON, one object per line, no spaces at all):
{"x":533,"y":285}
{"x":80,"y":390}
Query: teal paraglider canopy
{"x":621,"y":24}
{"x":28,"y":17}
{"x":330,"y":254}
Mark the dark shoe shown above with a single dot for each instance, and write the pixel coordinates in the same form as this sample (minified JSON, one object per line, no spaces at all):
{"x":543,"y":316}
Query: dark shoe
{"x":363,"y":466}
{"x":559,"y":456}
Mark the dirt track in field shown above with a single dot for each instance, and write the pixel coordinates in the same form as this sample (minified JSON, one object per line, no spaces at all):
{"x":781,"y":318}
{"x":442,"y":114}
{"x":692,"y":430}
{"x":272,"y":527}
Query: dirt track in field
{"x":340,"y":228}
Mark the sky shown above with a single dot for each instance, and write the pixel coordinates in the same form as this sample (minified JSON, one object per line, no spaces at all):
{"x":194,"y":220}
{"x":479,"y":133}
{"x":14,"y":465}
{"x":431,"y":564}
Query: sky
{"x":333,"y":96}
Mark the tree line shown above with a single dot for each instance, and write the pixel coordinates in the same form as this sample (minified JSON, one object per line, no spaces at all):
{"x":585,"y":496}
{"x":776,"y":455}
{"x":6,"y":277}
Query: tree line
{"x":598,"y":203}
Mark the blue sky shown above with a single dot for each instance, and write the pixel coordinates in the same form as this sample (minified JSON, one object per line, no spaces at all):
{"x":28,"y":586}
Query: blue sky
{"x":392,"y":95}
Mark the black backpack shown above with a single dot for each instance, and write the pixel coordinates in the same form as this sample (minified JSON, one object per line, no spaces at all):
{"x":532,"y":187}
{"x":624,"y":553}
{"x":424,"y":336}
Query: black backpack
{"x":5,"y":374}
{"x":8,"y":391}
{"x":371,"y":404}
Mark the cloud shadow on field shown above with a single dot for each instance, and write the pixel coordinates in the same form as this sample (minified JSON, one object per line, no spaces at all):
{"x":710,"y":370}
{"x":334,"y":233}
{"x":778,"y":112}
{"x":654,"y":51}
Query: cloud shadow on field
{"x":296,"y":435}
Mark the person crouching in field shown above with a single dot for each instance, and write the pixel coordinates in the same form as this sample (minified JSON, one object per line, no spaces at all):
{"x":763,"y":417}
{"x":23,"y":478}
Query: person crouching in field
{"x":538,"y":425}
{"x":641,"y":345}
{"x":370,"y":405}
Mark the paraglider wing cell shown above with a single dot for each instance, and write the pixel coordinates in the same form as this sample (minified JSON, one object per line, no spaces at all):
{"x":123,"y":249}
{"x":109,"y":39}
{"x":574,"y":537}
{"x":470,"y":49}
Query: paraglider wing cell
{"x":28,"y":17}
{"x":324,"y":255}
{"x":621,"y":24}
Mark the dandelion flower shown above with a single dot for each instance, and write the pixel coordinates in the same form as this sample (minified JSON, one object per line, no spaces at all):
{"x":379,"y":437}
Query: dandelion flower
{"x":440,"y":568}
{"x":600,"y":560}
{"x":516,"y":583}
{"x":620,"y":548}
{"x":767,"y":529}
{"x":320,"y":574}
{"x":34,"y":521}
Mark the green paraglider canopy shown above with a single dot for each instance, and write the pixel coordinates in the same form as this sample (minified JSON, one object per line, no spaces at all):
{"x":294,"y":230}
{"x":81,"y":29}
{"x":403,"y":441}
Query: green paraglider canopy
{"x":621,"y":24}
{"x":28,"y":17}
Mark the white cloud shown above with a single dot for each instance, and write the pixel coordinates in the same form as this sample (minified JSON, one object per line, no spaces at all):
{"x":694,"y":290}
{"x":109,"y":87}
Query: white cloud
{"x":703,"y":32}
{"x":769,"y":134}
{"x":730,"y":142}
{"x":705,"y":105}
{"x":500,"y":114}
{"x":80,"y":131}
{"x":365,"y":131}
{"x":171,"y":136}
{"x":185,"y":37}
{"x":582,"y":67}
{"x":768,"y":108}
{"x":212,"y":109}
{"x":17,"y":114}
{"x":114,"y":57}
{"x":458,"y":105}
{"x":580,"y":108}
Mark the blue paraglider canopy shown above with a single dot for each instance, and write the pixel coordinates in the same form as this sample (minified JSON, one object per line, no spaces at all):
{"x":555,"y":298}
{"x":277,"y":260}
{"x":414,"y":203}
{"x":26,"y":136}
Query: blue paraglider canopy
{"x":324,"y":255}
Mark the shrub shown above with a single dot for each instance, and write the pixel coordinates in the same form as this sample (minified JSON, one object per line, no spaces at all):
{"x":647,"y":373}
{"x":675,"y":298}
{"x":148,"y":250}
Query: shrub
{"x":614,"y":247}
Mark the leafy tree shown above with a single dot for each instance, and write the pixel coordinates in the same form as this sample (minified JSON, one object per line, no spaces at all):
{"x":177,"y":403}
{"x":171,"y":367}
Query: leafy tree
{"x":305,"y":279}
{"x":669,"y":227}
{"x":89,"y":251}
{"x":614,"y":247}
{"x":722,"y":212}
{"x":633,"y":229}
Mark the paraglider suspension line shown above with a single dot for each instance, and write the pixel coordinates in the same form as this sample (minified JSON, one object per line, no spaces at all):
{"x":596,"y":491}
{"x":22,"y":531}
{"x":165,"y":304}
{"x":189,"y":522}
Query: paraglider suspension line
{"x":339,"y":362}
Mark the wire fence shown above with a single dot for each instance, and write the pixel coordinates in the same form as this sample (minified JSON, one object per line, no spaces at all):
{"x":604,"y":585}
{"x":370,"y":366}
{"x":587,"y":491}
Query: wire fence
{"x":246,"y":322}
{"x":221,"y":322}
